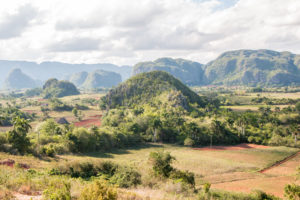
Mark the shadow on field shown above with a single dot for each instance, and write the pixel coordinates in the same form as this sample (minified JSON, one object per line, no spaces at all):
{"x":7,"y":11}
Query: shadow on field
{"x":125,"y":150}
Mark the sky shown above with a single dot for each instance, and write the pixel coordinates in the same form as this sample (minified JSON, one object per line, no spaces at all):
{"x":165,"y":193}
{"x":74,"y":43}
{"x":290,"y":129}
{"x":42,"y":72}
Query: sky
{"x":125,"y":32}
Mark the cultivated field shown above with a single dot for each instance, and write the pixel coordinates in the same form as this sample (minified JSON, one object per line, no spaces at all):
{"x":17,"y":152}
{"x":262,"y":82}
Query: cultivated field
{"x":224,"y":169}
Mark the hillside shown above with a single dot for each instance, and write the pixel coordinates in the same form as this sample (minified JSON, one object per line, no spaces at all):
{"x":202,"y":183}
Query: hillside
{"x":96,"y":79}
{"x":16,"y":79}
{"x":189,"y":72}
{"x":54,"y":88}
{"x":78,"y":78}
{"x":155,"y":87}
{"x":254,"y":67}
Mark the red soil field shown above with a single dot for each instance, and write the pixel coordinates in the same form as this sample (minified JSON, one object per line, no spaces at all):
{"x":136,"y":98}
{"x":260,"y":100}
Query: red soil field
{"x":236,"y":147}
{"x":91,"y":121}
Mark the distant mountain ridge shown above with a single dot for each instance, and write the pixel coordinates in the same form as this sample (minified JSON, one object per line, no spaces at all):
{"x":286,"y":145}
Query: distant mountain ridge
{"x":265,"y":68}
{"x":59,"y":70}
{"x":189,"y":72}
{"x":16,"y":79}
{"x":254,"y":68}
{"x":96,"y":79}
{"x":233,"y":68}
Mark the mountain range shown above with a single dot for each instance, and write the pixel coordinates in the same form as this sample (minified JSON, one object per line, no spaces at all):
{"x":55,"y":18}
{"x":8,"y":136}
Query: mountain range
{"x":233,"y":68}
{"x":59,"y":70}
{"x":96,"y":79}
{"x":265,"y":68}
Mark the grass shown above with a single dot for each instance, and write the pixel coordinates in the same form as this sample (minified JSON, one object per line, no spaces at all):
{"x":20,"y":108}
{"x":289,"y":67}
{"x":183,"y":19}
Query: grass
{"x":253,"y":107}
{"x":202,"y":163}
{"x":228,"y":166}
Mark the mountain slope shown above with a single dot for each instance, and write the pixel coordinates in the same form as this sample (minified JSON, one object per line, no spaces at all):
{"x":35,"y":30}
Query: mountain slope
{"x":189,"y":72}
{"x":156,"y":87}
{"x":254,"y":67}
{"x":16,"y":79}
{"x":101,"y":78}
{"x":78,"y":78}
{"x":54,"y":88}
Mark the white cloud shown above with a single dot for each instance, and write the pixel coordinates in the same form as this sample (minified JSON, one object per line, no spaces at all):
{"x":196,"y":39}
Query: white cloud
{"x":129,"y":31}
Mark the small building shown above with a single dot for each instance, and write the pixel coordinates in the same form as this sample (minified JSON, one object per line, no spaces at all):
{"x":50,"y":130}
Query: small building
{"x":62,"y":120}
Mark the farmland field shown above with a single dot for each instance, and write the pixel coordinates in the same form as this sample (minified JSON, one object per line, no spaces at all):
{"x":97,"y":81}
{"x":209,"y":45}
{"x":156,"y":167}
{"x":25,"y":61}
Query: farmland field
{"x":220,"y":168}
{"x":232,"y":170}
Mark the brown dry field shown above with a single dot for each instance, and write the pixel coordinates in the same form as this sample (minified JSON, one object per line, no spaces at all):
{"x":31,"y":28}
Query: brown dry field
{"x":272,"y":181}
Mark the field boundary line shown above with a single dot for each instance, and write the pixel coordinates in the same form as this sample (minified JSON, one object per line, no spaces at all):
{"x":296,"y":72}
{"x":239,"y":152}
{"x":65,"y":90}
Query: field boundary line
{"x":280,"y":162}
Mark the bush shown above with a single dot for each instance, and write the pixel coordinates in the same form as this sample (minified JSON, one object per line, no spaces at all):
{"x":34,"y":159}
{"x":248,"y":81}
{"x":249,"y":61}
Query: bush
{"x":184,"y":177}
{"x":58,"y":191}
{"x":98,"y":190}
{"x":122,"y":176}
{"x":126,"y":177}
{"x":292,"y":191}
{"x":161,"y":162}
{"x":48,"y":151}
{"x":189,"y":142}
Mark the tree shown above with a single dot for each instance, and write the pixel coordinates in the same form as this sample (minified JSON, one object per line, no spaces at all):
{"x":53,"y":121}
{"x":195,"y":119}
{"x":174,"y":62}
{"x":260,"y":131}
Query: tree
{"x":161,"y":163}
{"x":75,"y":112}
{"x":297,"y":106}
{"x":155,"y":123}
{"x":18,"y":136}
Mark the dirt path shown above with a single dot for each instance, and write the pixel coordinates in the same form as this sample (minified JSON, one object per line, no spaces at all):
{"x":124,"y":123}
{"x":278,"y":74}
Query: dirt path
{"x":27,"y":197}
{"x":280,"y":162}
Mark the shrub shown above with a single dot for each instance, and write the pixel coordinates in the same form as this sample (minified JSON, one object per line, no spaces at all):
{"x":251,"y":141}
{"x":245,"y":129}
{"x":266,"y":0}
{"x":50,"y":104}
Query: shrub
{"x":189,"y":142}
{"x":57,"y":191}
{"x":126,"y":177}
{"x":206,"y":187}
{"x":161,"y":162}
{"x":184,"y":177}
{"x":98,"y":190}
{"x":292,"y":192}
{"x":122,"y":176}
{"x":261,"y":195}
{"x":49,"y":151}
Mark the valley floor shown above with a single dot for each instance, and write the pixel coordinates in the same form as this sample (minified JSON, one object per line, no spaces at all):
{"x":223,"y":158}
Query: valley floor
{"x":233,"y":169}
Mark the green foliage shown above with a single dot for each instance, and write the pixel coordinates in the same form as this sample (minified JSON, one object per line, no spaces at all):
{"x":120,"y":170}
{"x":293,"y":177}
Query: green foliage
{"x":222,"y":195}
{"x":126,"y":177}
{"x":9,"y":113}
{"x":18,"y":136}
{"x":50,"y":127}
{"x":33,"y":92}
{"x":57,"y":105}
{"x":161,"y":163}
{"x":123,"y":176}
{"x":183,"y":177}
{"x":189,"y":142}
{"x":98,"y":190}
{"x":206,"y":187}
{"x":58,"y":190}
{"x":297,"y":106}
{"x":146,"y":88}
{"x":55,"y":89}
{"x":292,"y":192}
